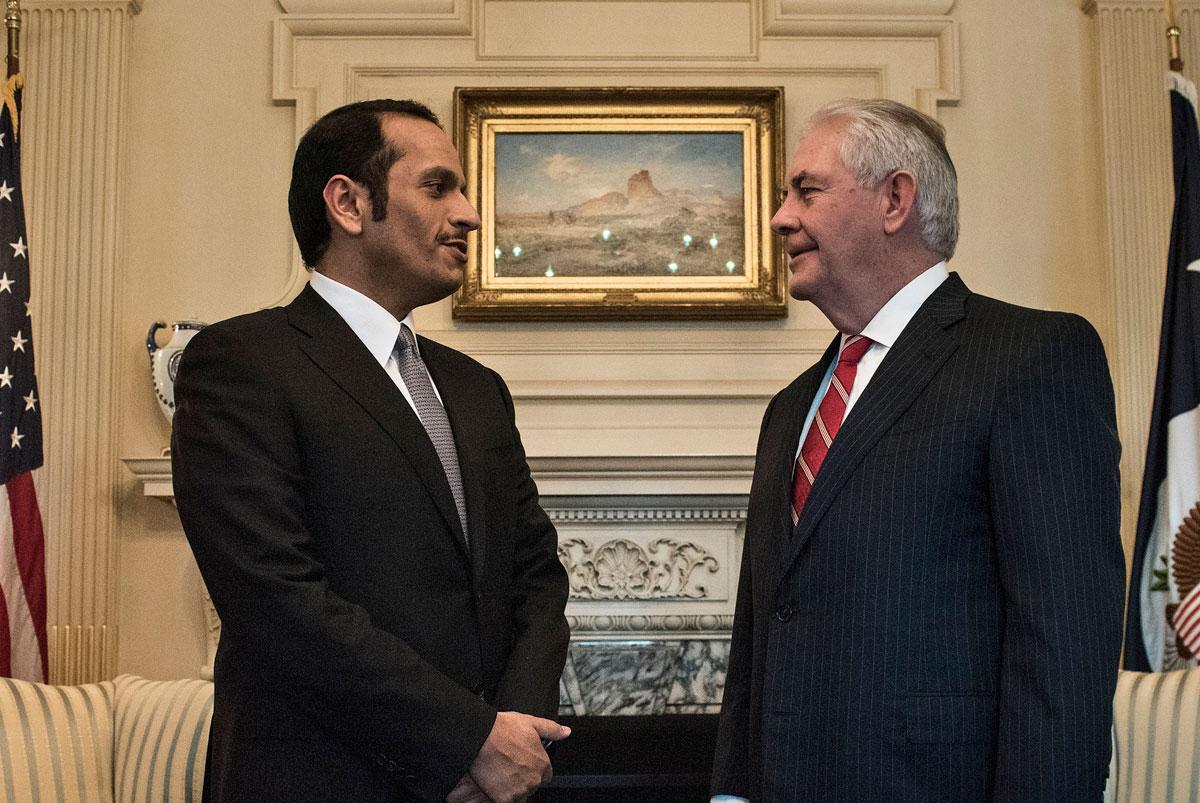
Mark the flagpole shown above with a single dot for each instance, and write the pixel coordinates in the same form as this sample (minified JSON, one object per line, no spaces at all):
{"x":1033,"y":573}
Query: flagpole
{"x":1173,"y":34}
{"x":12,"y":20}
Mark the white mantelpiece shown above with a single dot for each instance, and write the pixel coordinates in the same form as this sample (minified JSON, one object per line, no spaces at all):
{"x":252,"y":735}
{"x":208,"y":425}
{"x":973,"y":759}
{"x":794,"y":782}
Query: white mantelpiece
{"x":654,"y":475}
{"x":652,"y":549}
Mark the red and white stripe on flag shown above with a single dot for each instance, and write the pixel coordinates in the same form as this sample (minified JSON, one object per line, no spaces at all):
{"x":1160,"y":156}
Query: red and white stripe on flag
{"x":22,"y":582}
{"x":1187,"y":621}
{"x":22,"y":550}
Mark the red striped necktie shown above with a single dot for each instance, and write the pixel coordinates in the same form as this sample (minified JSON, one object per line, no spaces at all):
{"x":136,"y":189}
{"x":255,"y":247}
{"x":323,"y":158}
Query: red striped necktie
{"x":827,"y":421}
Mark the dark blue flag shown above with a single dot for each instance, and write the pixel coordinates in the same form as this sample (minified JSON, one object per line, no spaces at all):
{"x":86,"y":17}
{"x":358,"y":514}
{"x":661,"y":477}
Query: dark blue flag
{"x":22,"y":550}
{"x":1163,"y":623}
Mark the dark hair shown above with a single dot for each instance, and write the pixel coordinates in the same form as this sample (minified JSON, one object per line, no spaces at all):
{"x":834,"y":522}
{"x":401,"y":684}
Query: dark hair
{"x":348,"y":140}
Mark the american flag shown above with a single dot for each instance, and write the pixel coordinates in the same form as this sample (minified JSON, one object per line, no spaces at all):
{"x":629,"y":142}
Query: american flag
{"x":22,"y":549}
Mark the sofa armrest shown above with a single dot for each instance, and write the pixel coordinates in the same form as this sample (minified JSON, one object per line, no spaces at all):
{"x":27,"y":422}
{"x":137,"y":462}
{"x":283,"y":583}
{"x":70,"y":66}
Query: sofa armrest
{"x":160,"y":738}
{"x":1156,"y":738}
{"x":56,"y":742}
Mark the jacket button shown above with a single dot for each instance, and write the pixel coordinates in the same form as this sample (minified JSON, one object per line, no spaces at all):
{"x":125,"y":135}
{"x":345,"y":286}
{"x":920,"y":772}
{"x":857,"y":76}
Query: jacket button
{"x":784,"y":613}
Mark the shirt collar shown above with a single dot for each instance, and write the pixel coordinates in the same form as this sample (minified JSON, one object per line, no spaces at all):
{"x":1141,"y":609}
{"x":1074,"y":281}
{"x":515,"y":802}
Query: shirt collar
{"x":377,"y":328}
{"x":893,"y":316}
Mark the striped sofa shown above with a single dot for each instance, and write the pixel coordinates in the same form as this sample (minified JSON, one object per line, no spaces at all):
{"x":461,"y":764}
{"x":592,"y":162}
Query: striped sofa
{"x":1156,"y":738}
{"x":136,"y":740}
{"x":123,"y":740}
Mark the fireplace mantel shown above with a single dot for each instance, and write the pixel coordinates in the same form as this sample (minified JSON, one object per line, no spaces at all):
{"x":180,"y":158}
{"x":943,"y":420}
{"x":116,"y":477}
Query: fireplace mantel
{"x":651,"y":545}
{"x":610,"y":475}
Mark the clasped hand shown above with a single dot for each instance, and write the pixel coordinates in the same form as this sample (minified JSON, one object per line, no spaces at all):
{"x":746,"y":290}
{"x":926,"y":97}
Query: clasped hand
{"x":512,"y":763}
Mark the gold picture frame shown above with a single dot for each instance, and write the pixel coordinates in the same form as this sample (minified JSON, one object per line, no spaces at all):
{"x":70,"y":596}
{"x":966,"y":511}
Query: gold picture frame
{"x":565,"y":236}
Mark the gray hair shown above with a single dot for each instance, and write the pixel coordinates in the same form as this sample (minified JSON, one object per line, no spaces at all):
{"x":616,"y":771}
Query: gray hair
{"x":884,"y":136}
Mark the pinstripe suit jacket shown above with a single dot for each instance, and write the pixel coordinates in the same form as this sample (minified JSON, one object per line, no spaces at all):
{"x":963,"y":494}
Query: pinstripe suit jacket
{"x":943,"y":623}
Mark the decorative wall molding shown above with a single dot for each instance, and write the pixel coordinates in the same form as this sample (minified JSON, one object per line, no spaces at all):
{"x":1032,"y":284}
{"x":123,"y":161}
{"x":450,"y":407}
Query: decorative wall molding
{"x":573,"y":478}
{"x":154,"y":474}
{"x":549,"y":67}
{"x":413,"y":8}
{"x":726,"y":477}
{"x":797,"y":343}
{"x":784,"y":19}
{"x":353,"y":18}
{"x":76,"y":73}
{"x":942,"y":29}
{"x":81,"y":653}
{"x":351,"y":26}
{"x":1093,"y":7}
{"x":650,"y":389}
{"x":650,"y":566}
{"x":621,"y":569}
{"x":431,"y":7}
{"x":623,"y":625}
{"x":127,"y":6}
{"x":634,"y":513}
{"x":845,"y":8}
{"x":1136,"y":136}
{"x":724,"y":31}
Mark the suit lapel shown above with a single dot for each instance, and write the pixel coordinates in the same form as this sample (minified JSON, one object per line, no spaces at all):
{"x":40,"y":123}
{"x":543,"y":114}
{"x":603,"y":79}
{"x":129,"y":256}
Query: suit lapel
{"x":332,"y":345}
{"x":922,"y":348}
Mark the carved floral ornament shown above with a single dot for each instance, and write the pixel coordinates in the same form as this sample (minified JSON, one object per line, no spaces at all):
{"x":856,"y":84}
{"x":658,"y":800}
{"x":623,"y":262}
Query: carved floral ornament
{"x":621,"y":569}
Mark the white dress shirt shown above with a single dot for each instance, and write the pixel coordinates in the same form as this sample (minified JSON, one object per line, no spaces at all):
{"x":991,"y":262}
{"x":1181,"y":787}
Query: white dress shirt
{"x":377,"y":328}
{"x":883,"y":330}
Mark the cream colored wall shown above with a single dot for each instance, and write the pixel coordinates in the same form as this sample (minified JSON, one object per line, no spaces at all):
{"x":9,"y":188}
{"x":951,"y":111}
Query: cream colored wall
{"x":205,"y":235}
{"x":1026,"y":144}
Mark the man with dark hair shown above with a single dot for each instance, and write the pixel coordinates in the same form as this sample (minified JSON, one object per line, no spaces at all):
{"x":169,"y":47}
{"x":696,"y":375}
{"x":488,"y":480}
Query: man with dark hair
{"x":932,"y":578}
{"x":361,"y":509}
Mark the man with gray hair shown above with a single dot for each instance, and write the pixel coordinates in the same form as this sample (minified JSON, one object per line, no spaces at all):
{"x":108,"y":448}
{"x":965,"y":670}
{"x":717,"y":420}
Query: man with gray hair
{"x":932,"y":577}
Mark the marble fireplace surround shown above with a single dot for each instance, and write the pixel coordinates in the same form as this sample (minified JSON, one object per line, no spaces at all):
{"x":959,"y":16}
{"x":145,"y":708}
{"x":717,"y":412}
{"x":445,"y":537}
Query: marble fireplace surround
{"x":652,"y":548}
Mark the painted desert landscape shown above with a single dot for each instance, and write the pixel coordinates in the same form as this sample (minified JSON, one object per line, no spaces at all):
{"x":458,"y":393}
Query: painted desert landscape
{"x":619,"y":205}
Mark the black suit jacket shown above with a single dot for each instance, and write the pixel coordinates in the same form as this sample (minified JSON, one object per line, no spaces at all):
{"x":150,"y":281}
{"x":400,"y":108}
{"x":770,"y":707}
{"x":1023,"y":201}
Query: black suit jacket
{"x":944,"y":621}
{"x":364,"y":648}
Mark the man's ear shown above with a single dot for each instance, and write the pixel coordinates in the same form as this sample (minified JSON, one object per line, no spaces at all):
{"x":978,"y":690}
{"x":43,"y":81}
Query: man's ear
{"x":346,"y":204}
{"x":900,"y":200}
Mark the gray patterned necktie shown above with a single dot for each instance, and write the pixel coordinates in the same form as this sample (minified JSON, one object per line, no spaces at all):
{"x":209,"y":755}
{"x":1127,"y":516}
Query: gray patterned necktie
{"x":432,"y":415}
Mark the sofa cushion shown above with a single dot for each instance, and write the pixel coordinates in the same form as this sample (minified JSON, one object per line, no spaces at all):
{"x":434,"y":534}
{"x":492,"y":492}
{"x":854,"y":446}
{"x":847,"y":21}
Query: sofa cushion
{"x":161,"y":739}
{"x":1156,"y":742}
{"x":56,"y":742}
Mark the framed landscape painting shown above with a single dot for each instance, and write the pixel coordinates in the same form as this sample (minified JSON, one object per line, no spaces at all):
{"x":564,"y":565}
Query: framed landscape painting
{"x":622,"y":203}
